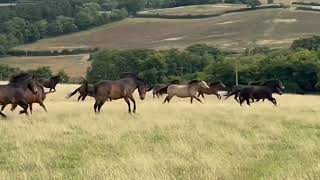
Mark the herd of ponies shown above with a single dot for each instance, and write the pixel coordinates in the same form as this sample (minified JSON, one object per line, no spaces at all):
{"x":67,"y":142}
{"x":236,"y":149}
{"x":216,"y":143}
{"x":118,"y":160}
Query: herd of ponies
{"x":24,"y":89}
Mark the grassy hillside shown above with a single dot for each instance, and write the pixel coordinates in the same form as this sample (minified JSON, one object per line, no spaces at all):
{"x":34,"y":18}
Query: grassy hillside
{"x":214,"y":140}
{"x":236,"y":31}
{"x":73,"y":65}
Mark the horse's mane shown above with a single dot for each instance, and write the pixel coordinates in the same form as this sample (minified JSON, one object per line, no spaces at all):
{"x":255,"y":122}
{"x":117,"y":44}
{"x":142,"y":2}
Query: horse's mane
{"x":194,"y":81}
{"x":132,"y":75}
{"x":20,"y":77}
{"x":265,"y":82}
{"x":175,"y":82}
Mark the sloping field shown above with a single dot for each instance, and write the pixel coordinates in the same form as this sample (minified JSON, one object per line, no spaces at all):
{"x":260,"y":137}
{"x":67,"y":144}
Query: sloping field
{"x":73,"y":65}
{"x":269,"y":27}
{"x":196,"y":9}
{"x":214,"y":140}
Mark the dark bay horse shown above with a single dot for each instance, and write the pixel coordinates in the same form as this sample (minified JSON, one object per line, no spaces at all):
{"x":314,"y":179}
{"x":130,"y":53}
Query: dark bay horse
{"x":213,"y":89}
{"x":184,"y":91}
{"x":263,"y":91}
{"x":156,"y":90}
{"x":14,"y":92}
{"x":84,"y":90}
{"x":50,"y":83}
{"x":122,"y":88}
{"x":31,"y":98}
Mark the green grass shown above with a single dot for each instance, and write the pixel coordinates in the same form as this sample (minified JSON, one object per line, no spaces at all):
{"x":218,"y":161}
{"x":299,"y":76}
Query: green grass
{"x":214,"y":140}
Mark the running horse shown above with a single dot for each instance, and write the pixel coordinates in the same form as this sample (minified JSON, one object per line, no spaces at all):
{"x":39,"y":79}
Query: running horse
{"x":14,"y":92}
{"x":50,"y":83}
{"x":120,"y":89}
{"x":213,"y":89}
{"x":184,"y":91}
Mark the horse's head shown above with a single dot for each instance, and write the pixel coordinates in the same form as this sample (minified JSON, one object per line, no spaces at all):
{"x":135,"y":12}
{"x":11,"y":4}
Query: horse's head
{"x":33,"y":85}
{"x":218,"y":85}
{"x":277,"y":86}
{"x":143,"y":89}
{"x":25,"y":81}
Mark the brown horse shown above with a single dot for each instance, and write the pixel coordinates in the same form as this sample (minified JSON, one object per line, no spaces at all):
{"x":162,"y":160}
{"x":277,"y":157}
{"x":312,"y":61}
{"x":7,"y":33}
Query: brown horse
{"x":123,"y":88}
{"x":31,"y":98}
{"x":214,"y":88}
{"x":14,"y":92}
{"x":84,"y":90}
{"x":185,"y":91}
{"x":50,"y":83}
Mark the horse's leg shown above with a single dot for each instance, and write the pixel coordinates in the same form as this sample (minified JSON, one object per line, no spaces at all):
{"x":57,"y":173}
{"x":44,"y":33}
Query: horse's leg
{"x":197,"y":99}
{"x":100,"y":105}
{"x":43,"y":106}
{"x":84,"y":97}
{"x":134,"y":103}
{"x":236,"y":96}
{"x":191,"y":100}
{"x":5,"y":105}
{"x":79,"y":97}
{"x":13,"y":107}
{"x":128,"y":103}
{"x":3,"y":115}
{"x":202,"y":94}
{"x":248,"y":101}
{"x":24,"y":105}
{"x":273,"y":100}
{"x":241,"y":100}
{"x":218,"y":96}
{"x":30,"y":107}
{"x":95,"y":106}
{"x":166,"y":99}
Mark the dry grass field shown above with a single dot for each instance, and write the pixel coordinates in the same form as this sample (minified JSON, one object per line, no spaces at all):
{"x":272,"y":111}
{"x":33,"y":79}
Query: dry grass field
{"x":214,"y":140}
{"x":196,"y":9}
{"x":235,"y":31}
{"x":73,"y":65}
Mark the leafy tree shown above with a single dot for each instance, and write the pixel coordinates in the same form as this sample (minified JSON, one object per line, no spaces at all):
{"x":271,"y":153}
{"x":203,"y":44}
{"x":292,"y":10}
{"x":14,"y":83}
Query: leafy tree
{"x":64,"y":76}
{"x":42,"y":72}
{"x":310,"y":43}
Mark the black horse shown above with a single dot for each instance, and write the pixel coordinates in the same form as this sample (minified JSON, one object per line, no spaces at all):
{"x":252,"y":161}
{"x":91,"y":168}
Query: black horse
{"x":14,"y":92}
{"x":50,"y":83}
{"x":263,"y":91}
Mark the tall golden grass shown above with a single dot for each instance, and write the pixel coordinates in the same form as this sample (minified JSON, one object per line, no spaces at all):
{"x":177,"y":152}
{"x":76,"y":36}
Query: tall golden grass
{"x":214,"y":140}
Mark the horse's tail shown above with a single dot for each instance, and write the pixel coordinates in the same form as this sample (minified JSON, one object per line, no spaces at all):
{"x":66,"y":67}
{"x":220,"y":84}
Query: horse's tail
{"x":231,"y":93}
{"x":73,"y":93}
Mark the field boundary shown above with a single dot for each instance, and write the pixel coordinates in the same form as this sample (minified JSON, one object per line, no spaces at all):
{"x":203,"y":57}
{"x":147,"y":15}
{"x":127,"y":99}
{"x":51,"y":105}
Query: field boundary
{"x":75,"y":51}
{"x":190,"y":16}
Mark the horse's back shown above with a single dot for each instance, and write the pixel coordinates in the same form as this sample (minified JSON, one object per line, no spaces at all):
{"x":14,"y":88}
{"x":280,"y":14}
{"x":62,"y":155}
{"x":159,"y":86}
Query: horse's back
{"x":178,"y":90}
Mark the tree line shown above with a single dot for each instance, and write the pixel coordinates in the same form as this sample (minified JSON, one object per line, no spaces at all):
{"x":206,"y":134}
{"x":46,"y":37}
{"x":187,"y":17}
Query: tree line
{"x":29,"y":22}
{"x":298,"y":67}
